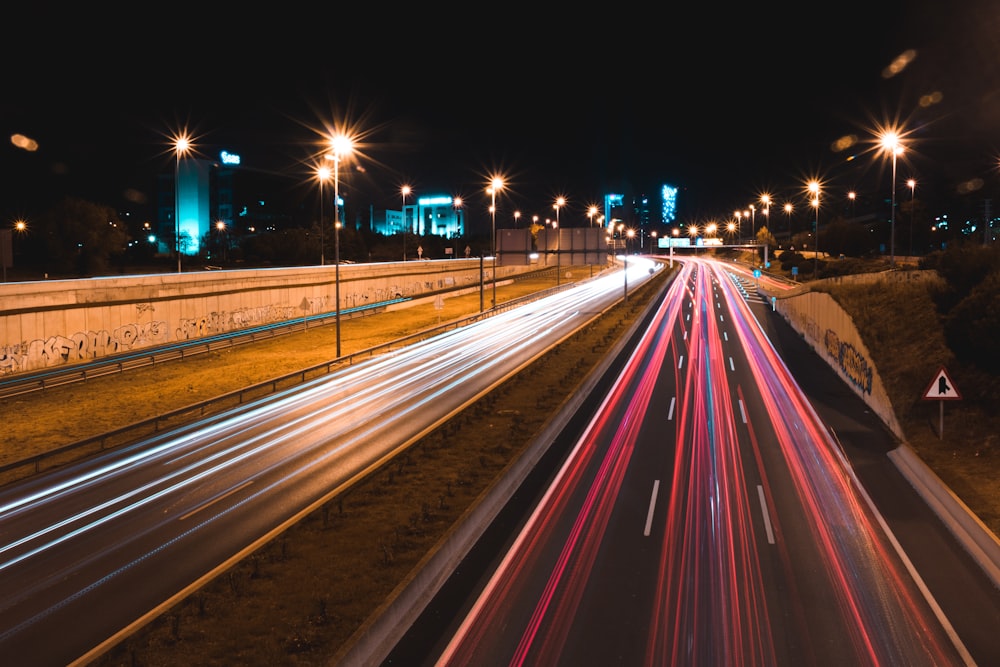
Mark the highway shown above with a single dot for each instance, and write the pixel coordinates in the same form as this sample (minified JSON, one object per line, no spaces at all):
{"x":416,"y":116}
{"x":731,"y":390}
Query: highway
{"x":710,"y":515}
{"x":92,"y":549}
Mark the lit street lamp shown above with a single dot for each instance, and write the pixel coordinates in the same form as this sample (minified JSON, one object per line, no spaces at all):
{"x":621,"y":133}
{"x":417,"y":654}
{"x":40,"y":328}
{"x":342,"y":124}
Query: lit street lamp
{"x":496,"y":185}
{"x":457,"y":203}
{"x":814,"y":191}
{"x":182,"y":145}
{"x":788,"y":213}
{"x":891,"y":143}
{"x":323,"y":174}
{"x":913,"y":186}
{"x":404,"y":191}
{"x":517,"y":216}
{"x":560,"y":202}
{"x":342,"y":146}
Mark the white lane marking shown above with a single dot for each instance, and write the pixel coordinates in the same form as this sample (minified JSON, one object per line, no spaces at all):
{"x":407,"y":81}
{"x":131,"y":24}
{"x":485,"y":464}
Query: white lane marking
{"x":680,"y":361}
{"x":743,"y":413}
{"x":670,"y":414}
{"x":732,"y":367}
{"x":767,"y":518}
{"x":652,"y":504}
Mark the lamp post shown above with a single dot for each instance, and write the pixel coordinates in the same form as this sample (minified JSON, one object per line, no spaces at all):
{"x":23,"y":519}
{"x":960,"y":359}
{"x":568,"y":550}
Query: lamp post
{"x":323,"y":175}
{"x":891,"y":143}
{"x":788,"y":213}
{"x":517,"y":216}
{"x":342,"y":146}
{"x":496,"y":184}
{"x":405,"y":190}
{"x":913,"y":186}
{"x":852,"y":196}
{"x":765,"y":200}
{"x":630,"y":234}
{"x":560,"y":202}
{"x":457,"y":203}
{"x":814,"y":191}
{"x":753,"y":224}
{"x":182,"y":145}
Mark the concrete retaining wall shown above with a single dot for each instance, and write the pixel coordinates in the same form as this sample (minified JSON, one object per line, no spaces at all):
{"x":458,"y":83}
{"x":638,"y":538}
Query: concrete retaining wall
{"x":53,"y":323}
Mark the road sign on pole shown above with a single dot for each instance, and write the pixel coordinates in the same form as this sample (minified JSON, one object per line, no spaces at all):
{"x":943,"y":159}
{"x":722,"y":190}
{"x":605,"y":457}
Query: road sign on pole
{"x":941,"y":389}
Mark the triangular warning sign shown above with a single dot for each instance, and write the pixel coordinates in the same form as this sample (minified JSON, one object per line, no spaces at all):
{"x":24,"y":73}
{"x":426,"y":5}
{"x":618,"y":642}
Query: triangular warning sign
{"x":942,"y":388}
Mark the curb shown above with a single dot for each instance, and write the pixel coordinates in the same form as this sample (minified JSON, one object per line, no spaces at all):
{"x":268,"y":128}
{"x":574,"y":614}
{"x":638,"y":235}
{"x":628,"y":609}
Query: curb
{"x":977,"y":539}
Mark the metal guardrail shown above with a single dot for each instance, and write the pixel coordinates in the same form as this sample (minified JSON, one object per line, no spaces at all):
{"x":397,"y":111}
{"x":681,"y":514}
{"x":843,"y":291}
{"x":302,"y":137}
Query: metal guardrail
{"x":110,"y":365}
{"x":213,"y":406}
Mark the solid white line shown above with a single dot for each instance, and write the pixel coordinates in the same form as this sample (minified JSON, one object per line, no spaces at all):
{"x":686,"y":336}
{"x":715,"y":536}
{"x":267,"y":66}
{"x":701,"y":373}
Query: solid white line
{"x":652,"y":504}
{"x":767,"y":517}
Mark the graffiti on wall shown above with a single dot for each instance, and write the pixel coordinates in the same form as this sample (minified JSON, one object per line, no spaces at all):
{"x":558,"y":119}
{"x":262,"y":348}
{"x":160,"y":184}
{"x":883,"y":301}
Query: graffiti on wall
{"x":854,"y":364}
{"x":81,"y":346}
{"x":59,"y":350}
{"x":225,"y":321}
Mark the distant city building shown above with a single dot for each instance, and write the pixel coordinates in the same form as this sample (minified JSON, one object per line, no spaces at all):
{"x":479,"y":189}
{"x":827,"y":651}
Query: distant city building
{"x":207,"y":200}
{"x":668,"y":195}
{"x":433,"y":215}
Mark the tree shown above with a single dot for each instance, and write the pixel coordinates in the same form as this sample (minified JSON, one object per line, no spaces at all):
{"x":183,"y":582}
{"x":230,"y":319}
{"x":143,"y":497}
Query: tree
{"x":78,"y":237}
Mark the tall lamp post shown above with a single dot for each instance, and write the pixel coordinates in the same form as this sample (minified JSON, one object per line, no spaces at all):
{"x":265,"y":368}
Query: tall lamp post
{"x":405,"y":190}
{"x":788,"y":214}
{"x":496,"y":185}
{"x":182,"y":145}
{"x":342,"y":146}
{"x":457,"y":203}
{"x":323,"y":175}
{"x":890,"y":143}
{"x":814,"y":191}
{"x":753,"y":224}
{"x":560,"y":202}
{"x":913,"y":186}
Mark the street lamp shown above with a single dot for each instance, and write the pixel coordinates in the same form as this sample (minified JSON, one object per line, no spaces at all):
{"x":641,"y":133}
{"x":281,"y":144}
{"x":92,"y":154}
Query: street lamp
{"x":560,"y":202}
{"x":182,"y":145}
{"x":323,"y":174}
{"x":814,"y":191}
{"x":852,"y":195}
{"x":630,"y":234}
{"x":591,"y":212}
{"x":753,"y":224}
{"x":342,"y":146}
{"x":765,"y":200}
{"x":788,"y":213}
{"x":405,"y":190}
{"x":457,"y":203}
{"x":517,"y":216}
{"x":913,"y":186}
{"x":220,"y":227}
{"x":496,"y":185}
{"x":891,"y":143}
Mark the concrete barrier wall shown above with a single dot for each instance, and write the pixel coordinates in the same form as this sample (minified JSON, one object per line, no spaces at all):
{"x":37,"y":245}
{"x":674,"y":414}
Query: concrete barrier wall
{"x":52,"y":323}
{"x":831,"y":332}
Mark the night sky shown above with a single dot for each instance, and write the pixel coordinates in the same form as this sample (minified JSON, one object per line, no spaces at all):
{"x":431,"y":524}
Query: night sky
{"x":724,"y":103}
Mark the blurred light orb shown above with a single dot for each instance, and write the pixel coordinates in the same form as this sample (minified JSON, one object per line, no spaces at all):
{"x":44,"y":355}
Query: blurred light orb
{"x":24,"y":143}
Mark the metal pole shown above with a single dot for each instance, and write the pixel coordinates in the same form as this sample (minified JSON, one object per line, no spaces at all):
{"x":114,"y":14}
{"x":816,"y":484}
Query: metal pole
{"x":322,"y":241}
{"x":177,"y":208}
{"x":336,"y":236}
{"x":493,"y":241}
{"x":626,"y":275}
{"x":892,"y":227}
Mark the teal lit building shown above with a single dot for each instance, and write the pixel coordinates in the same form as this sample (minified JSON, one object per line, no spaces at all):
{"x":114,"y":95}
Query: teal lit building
{"x":433,"y":215}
